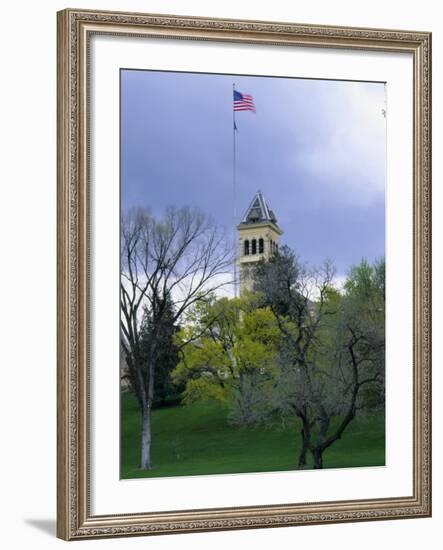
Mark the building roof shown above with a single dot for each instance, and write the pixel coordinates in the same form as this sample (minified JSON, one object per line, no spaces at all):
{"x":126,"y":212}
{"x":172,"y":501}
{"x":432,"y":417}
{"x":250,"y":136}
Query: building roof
{"x":258,"y":211}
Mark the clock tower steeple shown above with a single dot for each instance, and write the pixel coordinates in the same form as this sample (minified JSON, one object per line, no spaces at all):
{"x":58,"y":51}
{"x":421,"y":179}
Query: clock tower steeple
{"x":259,"y":236}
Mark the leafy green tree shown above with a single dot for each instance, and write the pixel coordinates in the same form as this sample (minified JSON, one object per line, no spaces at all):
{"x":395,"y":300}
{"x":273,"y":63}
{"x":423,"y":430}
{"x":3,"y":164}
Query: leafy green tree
{"x":333,"y":344}
{"x":230,"y":356}
{"x":364,"y":315}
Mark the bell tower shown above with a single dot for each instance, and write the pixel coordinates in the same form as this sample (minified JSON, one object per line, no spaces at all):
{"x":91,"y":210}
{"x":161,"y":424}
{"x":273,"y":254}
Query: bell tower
{"x":259,"y":237}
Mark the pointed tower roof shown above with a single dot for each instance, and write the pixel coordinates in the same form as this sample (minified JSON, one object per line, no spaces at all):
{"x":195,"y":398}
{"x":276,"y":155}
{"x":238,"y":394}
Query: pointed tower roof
{"x":258,"y":211}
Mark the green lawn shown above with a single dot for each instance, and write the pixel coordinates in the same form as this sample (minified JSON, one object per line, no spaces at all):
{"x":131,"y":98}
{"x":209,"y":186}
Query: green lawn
{"x":196,"y":439}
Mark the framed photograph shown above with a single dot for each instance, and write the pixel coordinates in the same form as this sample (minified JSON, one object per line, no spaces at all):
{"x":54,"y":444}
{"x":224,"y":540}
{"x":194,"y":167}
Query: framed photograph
{"x":244,"y":283}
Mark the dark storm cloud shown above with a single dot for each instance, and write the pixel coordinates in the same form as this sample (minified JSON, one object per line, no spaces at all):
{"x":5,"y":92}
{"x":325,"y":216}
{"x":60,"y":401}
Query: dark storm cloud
{"x":316,"y":149}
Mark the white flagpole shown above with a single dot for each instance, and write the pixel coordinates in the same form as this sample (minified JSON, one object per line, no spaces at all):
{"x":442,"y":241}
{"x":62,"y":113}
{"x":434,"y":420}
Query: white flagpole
{"x":234,"y":191}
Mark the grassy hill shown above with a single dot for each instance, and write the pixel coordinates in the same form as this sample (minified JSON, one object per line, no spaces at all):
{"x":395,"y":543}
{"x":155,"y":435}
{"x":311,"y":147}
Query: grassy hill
{"x":196,"y":439}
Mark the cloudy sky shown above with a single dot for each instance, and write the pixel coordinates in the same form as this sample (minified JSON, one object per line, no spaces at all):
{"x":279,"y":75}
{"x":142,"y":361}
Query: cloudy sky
{"x":315,"y":148}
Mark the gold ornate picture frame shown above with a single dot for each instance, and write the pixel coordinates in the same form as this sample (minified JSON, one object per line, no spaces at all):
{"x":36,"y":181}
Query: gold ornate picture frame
{"x":75,"y":517}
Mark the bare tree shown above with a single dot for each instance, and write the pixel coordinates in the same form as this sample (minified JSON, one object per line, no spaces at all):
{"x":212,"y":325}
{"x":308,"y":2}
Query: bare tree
{"x":180,"y":259}
{"x":334,"y":347}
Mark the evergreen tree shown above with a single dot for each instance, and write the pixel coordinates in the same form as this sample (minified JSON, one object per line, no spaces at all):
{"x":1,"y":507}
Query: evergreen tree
{"x":157,"y":337}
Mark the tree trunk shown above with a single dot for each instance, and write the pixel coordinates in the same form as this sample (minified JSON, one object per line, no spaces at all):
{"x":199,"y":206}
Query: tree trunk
{"x":145,"y":460}
{"x":317,"y":455}
{"x":304,"y":450}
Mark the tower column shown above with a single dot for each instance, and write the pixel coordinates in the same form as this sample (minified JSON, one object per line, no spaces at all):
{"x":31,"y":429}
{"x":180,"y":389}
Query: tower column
{"x":259,"y":234}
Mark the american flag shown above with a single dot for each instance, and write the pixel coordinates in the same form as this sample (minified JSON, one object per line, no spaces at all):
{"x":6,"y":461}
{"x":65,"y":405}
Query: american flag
{"x":243,"y":102}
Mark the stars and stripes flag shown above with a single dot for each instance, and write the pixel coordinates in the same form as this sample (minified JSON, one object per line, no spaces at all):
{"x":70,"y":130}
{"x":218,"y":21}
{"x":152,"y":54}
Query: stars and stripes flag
{"x":243,"y":102}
